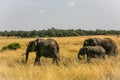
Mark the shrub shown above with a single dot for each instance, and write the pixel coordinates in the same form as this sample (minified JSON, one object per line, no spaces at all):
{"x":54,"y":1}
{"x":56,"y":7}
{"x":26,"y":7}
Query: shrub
{"x":12,"y":46}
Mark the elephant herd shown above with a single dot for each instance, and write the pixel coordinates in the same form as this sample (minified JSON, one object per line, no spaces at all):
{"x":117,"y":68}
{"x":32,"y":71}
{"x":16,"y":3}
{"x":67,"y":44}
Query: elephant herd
{"x":92,"y":47}
{"x":98,"y":47}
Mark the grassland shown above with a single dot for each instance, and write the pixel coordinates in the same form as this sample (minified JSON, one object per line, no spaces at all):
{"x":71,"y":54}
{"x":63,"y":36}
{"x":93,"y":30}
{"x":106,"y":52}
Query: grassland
{"x":13,"y":68}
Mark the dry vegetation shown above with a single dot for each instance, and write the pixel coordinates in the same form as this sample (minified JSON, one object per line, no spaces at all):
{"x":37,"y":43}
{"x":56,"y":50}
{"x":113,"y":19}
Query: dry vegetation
{"x":13,"y":68}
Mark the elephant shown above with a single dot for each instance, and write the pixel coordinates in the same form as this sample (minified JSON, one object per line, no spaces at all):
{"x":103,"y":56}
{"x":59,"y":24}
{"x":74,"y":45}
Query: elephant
{"x":92,"y":52}
{"x":47,"y":48}
{"x":108,"y":44}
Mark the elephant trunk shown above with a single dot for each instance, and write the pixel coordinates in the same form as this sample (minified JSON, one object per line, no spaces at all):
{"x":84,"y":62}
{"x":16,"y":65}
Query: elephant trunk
{"x":27,"y":54}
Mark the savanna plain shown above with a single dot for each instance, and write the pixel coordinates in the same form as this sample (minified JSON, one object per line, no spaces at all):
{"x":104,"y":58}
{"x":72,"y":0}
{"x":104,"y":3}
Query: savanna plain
{"x":12,"y":65}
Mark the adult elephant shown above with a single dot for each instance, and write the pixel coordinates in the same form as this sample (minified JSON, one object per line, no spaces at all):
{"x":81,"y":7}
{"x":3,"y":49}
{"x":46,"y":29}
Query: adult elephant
{"x":92,"y":52}
{"x":108,"y":44}
{"x":48,"y":48}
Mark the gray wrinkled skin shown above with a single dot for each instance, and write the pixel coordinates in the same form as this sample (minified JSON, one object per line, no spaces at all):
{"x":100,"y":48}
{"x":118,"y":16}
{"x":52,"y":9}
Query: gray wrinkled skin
{"x":92,"y":52}
{"x":108,"y":44}
{"x":48,"y":48}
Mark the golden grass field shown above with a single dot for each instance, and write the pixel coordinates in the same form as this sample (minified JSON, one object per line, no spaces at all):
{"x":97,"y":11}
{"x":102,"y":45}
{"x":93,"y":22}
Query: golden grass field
{"x":13,"y":68}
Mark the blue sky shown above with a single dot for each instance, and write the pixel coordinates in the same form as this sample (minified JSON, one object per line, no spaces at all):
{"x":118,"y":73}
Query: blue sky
{"x":62,"y":14}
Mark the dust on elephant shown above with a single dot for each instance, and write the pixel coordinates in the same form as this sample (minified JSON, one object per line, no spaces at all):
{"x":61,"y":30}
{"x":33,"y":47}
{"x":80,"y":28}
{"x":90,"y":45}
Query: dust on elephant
{"x":92,"y":52}
{"x":48,"y":48}
{"x":108,"y":44}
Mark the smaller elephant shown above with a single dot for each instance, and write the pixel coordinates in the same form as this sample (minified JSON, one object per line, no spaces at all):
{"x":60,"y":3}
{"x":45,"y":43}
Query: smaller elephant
{"x":92,"y":52}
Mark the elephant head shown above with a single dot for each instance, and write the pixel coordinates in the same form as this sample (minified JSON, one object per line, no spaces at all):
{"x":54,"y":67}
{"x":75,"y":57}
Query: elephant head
{"x":90,"y":42}
{"x":82,"y":52}
{"x":32,"y":45}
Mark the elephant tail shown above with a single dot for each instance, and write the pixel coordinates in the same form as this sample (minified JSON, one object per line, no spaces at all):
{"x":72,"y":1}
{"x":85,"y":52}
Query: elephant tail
{"x":115,"y":51}
{"x":58,"y":51}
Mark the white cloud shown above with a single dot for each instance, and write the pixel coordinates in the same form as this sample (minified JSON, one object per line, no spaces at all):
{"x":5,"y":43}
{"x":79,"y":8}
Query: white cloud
{"x":71,"y":4}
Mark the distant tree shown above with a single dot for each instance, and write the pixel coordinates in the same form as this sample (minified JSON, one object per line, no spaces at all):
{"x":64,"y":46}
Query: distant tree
{"x":53,"y":32}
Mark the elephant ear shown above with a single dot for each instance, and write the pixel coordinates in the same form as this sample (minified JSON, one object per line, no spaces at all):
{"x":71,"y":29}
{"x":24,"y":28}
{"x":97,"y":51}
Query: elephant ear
{"x":38,"y":40}
{"x":92,"y":42}
{"x":32,"y":45}
{"x":83,"y":50}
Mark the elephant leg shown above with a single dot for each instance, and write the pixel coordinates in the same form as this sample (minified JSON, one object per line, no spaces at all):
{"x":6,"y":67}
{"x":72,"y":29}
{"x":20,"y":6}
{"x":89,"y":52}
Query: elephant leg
{"x":37,"y":59}
{"x":56,"y":58}
{"x":57,"y":61}
{"x":84,"y":56}
{"x":103,"y":56}
{"x":88,"y":59}
{"x":53,"y":60}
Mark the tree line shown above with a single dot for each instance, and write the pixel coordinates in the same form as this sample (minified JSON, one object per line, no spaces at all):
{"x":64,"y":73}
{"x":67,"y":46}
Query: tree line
{"x":58,"y":33}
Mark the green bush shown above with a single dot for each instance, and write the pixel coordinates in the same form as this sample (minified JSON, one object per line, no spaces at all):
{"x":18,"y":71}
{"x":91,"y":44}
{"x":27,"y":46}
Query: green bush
{"x":12,"y":46}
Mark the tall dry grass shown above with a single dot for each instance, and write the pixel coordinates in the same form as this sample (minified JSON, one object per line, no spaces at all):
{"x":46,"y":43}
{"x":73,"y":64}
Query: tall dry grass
{"x":13,"y":68}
